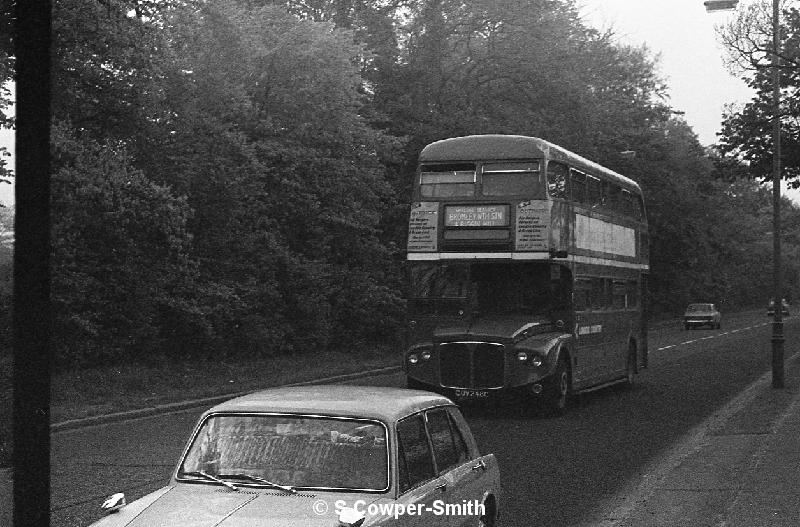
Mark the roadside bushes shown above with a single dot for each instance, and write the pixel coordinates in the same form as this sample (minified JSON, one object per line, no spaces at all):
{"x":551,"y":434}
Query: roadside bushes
{"x":120,"y":252}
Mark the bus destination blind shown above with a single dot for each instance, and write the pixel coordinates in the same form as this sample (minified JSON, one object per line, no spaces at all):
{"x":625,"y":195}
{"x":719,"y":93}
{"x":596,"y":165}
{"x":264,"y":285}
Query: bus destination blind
{"x":476,"y":216}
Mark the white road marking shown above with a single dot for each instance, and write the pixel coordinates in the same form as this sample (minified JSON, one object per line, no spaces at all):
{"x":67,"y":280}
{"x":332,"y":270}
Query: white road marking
{"x":730,"y":332}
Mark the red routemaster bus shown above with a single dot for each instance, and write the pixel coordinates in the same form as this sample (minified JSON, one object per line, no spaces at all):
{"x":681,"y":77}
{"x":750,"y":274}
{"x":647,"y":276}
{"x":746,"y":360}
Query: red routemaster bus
{"x":528,"y":269}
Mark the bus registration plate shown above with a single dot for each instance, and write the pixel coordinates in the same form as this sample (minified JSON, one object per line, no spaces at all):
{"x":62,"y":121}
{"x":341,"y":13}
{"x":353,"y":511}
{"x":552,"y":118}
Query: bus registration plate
{"x":472,"y":394}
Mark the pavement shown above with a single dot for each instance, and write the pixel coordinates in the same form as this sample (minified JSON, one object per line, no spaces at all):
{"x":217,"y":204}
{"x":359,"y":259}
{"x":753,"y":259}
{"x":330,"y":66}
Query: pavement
{"x":739,"y":468}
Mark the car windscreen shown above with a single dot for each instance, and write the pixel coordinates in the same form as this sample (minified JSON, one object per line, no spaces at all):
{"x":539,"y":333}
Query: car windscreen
{"x":699,"y":308}
{"x":294,"y":450}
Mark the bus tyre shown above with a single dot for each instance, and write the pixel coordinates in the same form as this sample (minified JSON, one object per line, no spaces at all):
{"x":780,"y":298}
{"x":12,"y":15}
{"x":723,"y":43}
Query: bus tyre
{"x":558,"y":388}
{"x":630,"y":367}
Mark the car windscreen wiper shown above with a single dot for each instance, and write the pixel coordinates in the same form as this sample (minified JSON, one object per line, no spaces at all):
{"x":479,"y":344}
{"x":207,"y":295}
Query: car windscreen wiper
{"x":211,"y":478}
{"x":257,"y":479}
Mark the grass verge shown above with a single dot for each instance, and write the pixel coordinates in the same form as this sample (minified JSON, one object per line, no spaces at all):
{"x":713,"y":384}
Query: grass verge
{"x":99,"y":391}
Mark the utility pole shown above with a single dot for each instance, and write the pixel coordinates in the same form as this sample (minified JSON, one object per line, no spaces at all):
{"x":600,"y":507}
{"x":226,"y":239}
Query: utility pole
{"x":777,"y":269}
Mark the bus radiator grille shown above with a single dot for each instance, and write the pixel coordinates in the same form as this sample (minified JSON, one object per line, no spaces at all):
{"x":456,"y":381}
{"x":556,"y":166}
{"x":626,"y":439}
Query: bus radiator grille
{"x":475,"y":365}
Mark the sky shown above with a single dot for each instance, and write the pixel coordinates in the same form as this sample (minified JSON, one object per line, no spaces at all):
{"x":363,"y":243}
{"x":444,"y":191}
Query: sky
{"x":691,"y":58}
{"x":7,"y":140}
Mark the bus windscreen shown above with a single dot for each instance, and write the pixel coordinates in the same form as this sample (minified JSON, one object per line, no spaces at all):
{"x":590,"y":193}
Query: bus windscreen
{"x":491,"y":288}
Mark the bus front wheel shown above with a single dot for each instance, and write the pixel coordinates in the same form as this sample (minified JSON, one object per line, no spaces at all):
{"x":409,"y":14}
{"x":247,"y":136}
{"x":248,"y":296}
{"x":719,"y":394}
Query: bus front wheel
{"x":558,"y":388}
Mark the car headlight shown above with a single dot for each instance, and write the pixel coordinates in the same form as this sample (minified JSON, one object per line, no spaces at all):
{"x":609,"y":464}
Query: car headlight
{"x":536,"y":361}
{"x":413,"y":358}
{"x":426,"y":355}
{"x":522,"y":356}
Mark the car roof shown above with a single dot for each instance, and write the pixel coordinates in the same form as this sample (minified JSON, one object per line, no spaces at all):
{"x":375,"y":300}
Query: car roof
{"x":373,"y":402}
{"x":702,"y":304}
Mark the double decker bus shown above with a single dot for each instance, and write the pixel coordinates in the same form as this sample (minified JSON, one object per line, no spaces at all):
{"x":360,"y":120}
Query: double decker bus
{"x":528,"y":272}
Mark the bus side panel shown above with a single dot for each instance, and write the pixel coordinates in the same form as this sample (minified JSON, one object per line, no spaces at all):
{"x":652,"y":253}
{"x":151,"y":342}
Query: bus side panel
{"x":591,"y":348}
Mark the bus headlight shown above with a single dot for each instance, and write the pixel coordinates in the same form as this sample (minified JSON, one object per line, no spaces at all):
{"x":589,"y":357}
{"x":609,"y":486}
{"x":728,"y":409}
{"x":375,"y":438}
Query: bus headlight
{"x":413,"y":358}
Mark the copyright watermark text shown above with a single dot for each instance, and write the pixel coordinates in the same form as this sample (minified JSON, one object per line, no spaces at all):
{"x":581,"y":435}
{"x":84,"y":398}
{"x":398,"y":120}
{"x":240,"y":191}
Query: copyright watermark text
{"x":396,"y":510}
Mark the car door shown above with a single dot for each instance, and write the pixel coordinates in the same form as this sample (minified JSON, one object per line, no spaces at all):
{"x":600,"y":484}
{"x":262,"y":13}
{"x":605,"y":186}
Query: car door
{"x":417,"y":480}
{"x":462,"y":472}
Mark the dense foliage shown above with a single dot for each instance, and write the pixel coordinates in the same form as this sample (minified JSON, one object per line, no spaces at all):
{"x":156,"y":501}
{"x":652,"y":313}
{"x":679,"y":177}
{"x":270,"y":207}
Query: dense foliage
{"x":231,"y":177}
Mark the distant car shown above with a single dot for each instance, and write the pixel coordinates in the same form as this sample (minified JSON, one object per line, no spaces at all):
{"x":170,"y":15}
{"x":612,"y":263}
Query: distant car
{"x":784,"y":308}
{"x":698,"y":315}
{"x":324,"y":456}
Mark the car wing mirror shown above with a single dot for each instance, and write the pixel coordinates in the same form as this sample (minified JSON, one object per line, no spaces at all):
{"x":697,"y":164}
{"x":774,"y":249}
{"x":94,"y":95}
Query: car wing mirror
{"x":350,"y":517}
{"x":113,"y":503}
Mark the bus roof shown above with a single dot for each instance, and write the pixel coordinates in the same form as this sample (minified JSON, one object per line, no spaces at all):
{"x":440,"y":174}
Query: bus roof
{"x":498,"y":146}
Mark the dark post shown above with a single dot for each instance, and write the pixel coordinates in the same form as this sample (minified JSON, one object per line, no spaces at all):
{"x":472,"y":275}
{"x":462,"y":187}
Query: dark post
{"x":31,"y":316}
{"x":777,"y":324}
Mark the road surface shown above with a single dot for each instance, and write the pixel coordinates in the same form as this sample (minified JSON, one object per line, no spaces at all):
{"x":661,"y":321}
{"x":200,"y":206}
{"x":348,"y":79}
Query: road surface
{"x":556,"y":471}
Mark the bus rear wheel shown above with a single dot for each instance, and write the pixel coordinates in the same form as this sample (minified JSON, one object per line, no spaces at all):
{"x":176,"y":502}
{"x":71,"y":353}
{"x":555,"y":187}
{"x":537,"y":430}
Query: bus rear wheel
{"x":630,"y":366}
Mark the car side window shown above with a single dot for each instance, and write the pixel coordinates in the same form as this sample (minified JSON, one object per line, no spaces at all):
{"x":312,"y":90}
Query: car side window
{"x":445,"y":451}
{"x":461,"y":446}
{"x":414,"y":454}
{"x":463,"y":433}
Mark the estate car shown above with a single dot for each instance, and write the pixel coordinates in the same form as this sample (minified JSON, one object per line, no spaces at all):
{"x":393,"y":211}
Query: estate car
{"x":698,"y":315}
{"x":324,"y":456}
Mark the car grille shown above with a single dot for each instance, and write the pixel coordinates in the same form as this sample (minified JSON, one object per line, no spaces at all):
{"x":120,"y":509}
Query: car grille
{"x":471,"y":364}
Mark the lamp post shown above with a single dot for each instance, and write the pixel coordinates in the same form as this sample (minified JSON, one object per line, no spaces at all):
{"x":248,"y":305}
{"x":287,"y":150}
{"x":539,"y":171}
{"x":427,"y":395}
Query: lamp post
{"x":777,"y":274}
{"x":777,"y":323}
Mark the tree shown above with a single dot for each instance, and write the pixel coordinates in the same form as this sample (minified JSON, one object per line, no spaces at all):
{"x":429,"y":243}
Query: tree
{"x":284,"y":174}
{"x":747,"y":132}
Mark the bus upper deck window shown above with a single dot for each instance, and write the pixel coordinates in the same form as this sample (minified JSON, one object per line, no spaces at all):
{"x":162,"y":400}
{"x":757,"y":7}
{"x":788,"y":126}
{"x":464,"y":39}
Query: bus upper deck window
{"x":611,"y":196}
{"x":593,"y":191}
{"x":557,"y":179}
{"x":627,"y":203}
{"x":447,"y":180}
{"x":512,"y":178}
{"x":638,"y":209}
{"x":577,"y":181}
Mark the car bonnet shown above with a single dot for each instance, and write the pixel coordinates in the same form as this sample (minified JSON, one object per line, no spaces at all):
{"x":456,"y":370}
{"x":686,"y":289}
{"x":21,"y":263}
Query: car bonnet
{"x":199,"y":505}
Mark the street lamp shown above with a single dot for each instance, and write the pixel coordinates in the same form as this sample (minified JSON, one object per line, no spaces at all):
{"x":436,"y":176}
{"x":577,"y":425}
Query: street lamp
{"x":720,"y":5}
{"x":777,"y":294}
